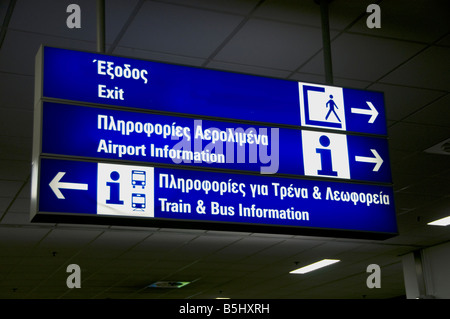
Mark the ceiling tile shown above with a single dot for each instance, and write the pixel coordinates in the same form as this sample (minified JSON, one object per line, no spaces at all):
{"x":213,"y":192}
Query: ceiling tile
{"x":173,"y":29}
{"x":437,"y":113}
{"x":284,"y":249}
{"x":434,"y":186}
{"x":415,"y":137}
{"x":438,"y":210}
{"x":407,"y":59}
{"x":19,"y":49}
{"x":3,"y":9}
{"x":62,"y":240}
{"x":409,"y":20}
{"x":158,"y":56}
{"x":12,"y":88}
{"x":445,"y":41}
{"x":259,"y":41}
{"x":349,"y":83}
{"x":119,"y":239}
{"x":14,"y":170}
{"x":241,"y":249}
{"x":343,"y":13}
{"x":117,"y":12}
{"x":309,"y":77}
{"x":246,"y":69}
{"x":32,"y":16}
{"x":293,"y":11}
{"x":16,"y":218}
{"x":17,"y":123}
{"x":426,"y":70}
{"x":423,"y":164}
{"x":15,"y":148}
{"x":401,"y":101}
{"x":20,"y":205}
{"x":4,"y":203}
{"x":363,"y":58}
{"x":232,"y":6}
{"x":16,"y":239}
{"x":412,"y":201}
{"x":204,"y":245}
{"x":402,"y":179}
{"x":9,"y":188}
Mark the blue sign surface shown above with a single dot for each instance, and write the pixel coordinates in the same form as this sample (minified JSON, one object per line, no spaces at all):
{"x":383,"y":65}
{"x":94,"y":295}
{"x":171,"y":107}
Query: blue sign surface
{"x":152,"y":193}
{"x":118,"y":81}
{"x":114,"y":121}
{"x":101,"y":133}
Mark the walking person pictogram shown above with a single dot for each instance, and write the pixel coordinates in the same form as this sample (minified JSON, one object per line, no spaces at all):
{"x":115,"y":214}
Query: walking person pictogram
{"x":332,"y":105}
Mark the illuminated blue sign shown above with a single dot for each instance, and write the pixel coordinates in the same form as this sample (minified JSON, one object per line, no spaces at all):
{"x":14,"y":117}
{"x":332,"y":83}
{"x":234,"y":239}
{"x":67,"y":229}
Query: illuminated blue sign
{"x":193,"y":198}
{"x":133,"y":142}
{"x":100,"y":133}
{"x":110,"y":80}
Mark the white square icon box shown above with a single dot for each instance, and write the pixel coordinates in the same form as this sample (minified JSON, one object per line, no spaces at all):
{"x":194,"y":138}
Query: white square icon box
{"x":325,"y":154}
{"x":125,"y":190}
{"x":322,"y":106}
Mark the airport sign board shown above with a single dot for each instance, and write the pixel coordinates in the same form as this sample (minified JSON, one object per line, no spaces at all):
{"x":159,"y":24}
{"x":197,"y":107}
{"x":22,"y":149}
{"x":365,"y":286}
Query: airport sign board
{"x":101,"y":192}
{"x":103,"y":79}
{"x":89,"y":132}
{"x":134,"y":142}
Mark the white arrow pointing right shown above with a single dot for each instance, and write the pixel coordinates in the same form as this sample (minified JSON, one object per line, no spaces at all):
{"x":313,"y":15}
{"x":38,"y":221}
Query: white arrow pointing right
{"x":376,"y":159}
{"x":372,"y":112}
{"x":55,"y":185}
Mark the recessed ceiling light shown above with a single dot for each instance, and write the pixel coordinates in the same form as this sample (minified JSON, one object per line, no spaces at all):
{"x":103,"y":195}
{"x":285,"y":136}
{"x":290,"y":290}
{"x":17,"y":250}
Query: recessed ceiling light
{"x":441,"y":222}
{"x":314,"y":266}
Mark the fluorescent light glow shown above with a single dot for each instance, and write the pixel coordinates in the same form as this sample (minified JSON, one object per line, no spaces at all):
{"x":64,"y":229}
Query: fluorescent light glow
{"x":314,"y":266}
{"x":441,"y":222}
{"x":169,"y":284}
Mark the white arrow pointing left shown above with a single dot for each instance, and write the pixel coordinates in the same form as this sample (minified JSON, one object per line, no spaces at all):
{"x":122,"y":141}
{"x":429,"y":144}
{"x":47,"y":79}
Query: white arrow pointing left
{"x":56,"y":185}
{"x":376,"y":159}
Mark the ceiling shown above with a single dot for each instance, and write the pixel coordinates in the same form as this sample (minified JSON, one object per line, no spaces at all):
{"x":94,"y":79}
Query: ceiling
{"x":408,"y":59}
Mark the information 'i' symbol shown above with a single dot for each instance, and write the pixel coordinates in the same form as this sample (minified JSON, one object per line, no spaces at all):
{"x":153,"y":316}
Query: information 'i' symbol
{"x":114,"y":189}
{"x":325,"y":157}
